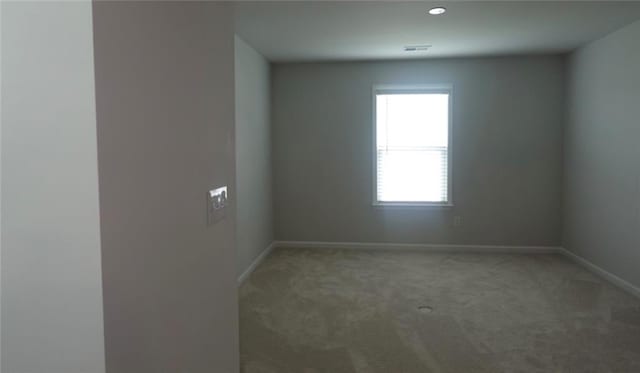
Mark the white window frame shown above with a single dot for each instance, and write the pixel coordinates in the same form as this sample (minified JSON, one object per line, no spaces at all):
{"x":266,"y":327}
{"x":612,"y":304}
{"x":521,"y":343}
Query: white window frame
{"x":398,"y":89}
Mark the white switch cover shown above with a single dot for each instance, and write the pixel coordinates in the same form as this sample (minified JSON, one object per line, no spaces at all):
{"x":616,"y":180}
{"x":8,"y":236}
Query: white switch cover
{"x":217,"y":201}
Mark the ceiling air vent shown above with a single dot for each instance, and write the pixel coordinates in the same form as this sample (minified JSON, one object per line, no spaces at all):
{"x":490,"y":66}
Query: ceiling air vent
{"x":416,"y":48}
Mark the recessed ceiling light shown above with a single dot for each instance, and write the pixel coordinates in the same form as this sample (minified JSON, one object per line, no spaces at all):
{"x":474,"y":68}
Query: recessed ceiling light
{"x":437,"y":11}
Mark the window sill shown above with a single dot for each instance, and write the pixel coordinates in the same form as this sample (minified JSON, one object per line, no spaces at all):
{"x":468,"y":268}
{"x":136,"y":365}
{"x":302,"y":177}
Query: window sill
{"x":413,"y":204}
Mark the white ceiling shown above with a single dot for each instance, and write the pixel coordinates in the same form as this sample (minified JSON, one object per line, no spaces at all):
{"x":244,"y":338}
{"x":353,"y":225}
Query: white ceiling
{"x":363,"y":30}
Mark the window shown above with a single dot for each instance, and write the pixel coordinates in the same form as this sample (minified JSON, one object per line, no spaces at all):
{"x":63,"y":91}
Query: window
{"x":412,"y":145}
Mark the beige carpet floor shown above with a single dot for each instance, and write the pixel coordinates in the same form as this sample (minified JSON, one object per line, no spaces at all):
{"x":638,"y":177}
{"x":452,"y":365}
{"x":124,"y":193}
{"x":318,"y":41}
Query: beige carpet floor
{"x":334,"y":311}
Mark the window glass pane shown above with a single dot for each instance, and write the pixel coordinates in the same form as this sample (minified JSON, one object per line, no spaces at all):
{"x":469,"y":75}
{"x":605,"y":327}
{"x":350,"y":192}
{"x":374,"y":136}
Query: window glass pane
{"x":412,"y":120}
{"x":413,"y":175}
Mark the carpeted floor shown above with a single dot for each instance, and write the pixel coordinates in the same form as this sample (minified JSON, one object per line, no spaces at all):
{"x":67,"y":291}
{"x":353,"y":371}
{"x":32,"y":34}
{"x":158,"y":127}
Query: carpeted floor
{"x":334,"y":311}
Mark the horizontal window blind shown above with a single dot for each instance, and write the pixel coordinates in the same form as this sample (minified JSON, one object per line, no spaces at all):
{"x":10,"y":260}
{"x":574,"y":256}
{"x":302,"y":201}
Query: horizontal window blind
{"x":412,"y":147}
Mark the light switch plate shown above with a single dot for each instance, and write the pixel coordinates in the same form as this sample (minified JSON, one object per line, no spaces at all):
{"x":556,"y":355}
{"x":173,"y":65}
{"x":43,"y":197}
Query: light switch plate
{"x":217,"y":201}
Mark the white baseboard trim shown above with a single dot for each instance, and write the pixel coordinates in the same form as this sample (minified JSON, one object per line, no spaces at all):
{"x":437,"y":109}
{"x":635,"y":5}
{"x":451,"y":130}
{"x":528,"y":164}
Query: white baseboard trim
{"x":505,"y":249}
{"x":445,"y":248}
{"x":610,"y":277}
{"x":255,"y":263}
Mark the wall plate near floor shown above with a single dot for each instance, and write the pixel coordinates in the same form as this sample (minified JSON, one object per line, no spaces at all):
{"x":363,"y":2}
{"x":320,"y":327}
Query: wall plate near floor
{"x":217,"y":201}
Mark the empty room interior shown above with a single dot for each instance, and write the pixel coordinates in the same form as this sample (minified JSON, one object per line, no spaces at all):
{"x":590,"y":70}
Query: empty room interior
{"x":320,"y":186}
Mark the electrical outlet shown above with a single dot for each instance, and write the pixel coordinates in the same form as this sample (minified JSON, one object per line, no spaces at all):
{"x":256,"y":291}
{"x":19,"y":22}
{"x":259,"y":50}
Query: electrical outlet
{"x":457,"y":221}
{"x":217,"y":201}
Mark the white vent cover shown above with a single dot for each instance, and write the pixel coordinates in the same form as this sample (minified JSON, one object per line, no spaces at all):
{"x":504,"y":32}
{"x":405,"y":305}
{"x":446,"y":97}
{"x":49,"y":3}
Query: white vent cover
{"x":416,"y":48}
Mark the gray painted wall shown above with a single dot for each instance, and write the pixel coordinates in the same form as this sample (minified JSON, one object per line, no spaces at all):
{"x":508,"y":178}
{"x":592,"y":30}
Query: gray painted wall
{"x":507,"y":152}
{"x":253,"y":155}
{"x":165,"y":115}
{"x":51,"y":282}
{"x":602,"y":169}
